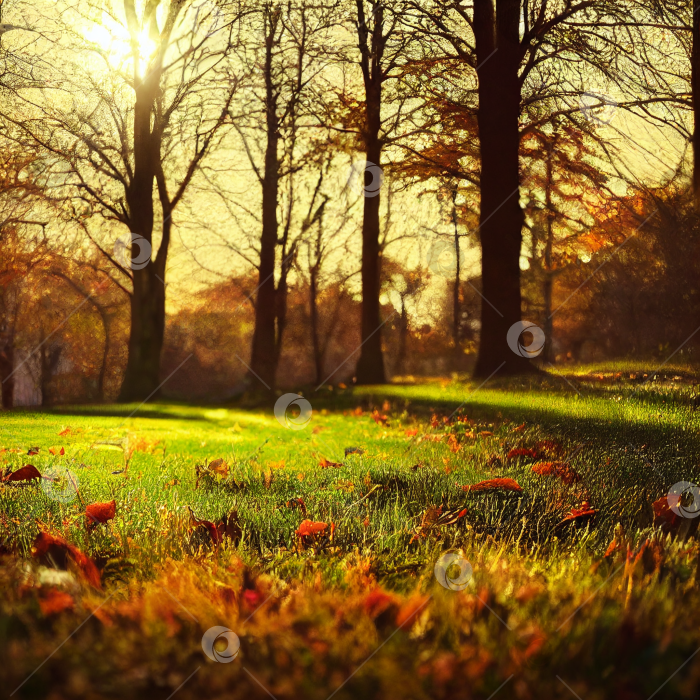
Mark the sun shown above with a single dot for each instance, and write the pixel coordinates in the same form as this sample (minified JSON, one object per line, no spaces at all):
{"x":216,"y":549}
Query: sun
{"x":114,"y":40}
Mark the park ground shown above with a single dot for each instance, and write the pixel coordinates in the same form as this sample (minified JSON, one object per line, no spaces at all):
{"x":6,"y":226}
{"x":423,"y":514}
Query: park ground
{"x":318,"y":547}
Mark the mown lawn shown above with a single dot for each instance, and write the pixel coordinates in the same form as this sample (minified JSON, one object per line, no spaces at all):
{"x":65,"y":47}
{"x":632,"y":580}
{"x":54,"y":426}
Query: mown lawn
{"x":574,"y":587}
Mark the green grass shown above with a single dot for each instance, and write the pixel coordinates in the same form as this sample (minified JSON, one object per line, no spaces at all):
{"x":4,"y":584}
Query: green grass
{"x":628,"y":438}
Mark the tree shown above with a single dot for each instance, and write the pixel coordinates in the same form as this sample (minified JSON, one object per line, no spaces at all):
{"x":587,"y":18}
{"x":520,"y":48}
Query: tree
{"x":150,"y":89}
{"x":382,"y":49}
{"x":527,"y":62}
{"x":286,"y":49}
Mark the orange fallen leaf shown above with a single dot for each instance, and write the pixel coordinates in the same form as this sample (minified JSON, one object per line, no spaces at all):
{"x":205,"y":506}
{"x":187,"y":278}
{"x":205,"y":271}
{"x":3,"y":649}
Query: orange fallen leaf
{"x":308,"y":528}
{"x":486,"y":433}
{"x":55,"y":451}
{"x":561,"y":470}
{"x":583,"y":511}
{"x":494,"y":485}
{"x":412,"y":432}
{"x":33,"y":451}
{"x":65,"y":431}
{"x":55,"y":551}
{"x":205,"y":525}
{"x":379,"y":418}
{"x":519,"y":428}
{"x":325,"y":463}
{"x":100,"y":513}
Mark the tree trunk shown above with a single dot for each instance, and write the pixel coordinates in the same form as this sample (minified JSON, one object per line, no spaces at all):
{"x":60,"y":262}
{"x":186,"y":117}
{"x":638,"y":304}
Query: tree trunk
{"x":548,"y":329}
{"x":456,"y":310}
{"x":142,"y":376}
{"x":370,"y":366}
{"x":695,"y":86}
{"x":7,"y":361}
{"x":315,"y":339}
{"x":501,"y":217}
{"x":263,"y":356}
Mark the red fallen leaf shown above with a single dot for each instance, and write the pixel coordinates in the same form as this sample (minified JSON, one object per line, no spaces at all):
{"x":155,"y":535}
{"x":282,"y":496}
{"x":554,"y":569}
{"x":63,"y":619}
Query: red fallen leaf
{"x":55,"y":451}
{"x":308,"y":528}
{"x":411,"y":432}
{"x":561,"y":470}
{"x":55,"y":601}
{"x":494,"y":485}
{"x":55,"y":551}
{"x":518,"y":429}
{"x":65,"y":431}
{"x":584,"y":511}
{"x":664,"y":516}
{"x":99,"y":513}
{"x":26,"y":473}
{"x":365,"y":522}
{"x":33,"y":451}
{"x":522,"y":452}
{"x":379,"y":418}
{"x":325,"y":463}
{"x":206,"y":525}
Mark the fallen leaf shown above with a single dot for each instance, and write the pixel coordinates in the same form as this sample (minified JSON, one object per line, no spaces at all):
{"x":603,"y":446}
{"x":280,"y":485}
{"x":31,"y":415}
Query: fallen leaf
{"x":379,"y":418}
{"x":55,"y":451}
{"x":504,"y":484}
{"x":486,"y":433}
{"x":411,"y":432}
{"x":582,"y":512}
{"x":100,"y":513}
{"x":309,"y":528}
{"x":325,"y":464}
{"x":65,"y":431}
{"x":56,"y":552}
{"x":519,"y":428}
{"x":522,"y":452}
{"x":205,"y":526}
{"x":26,"y":473}
{"x":297,"y":503}
{"x":560,"y":470}
{"x":664,"y":516}
{"x":33,"y":451}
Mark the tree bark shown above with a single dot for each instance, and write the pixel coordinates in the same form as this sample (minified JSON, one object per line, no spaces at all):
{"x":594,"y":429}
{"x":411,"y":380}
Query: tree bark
{"x":263,"y":355}
{"x":501,"y":217}
{"x":695,"y":86}
{"x":7,"y":361}
{"x":370,"y":365}
{"x":548,"y":285}
{"x":142,"y":376}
